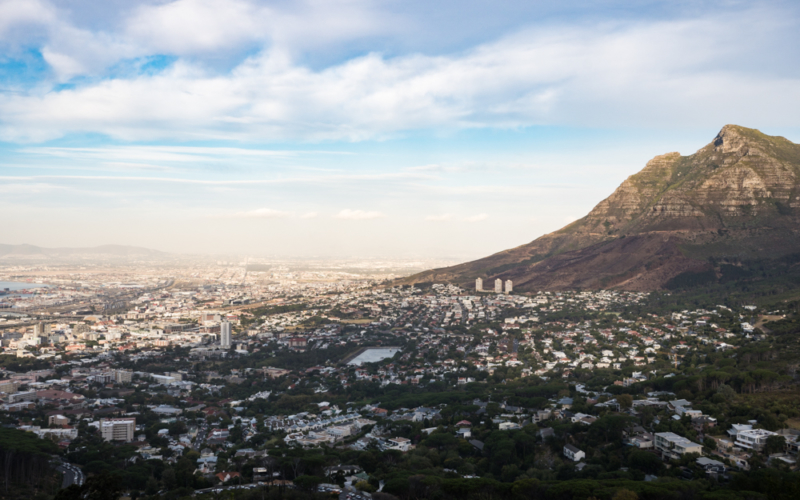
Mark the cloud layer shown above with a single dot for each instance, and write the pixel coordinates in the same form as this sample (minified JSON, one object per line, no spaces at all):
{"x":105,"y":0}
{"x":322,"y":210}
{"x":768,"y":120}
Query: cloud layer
{"x":651,"y":73}
{"x":348,"y":214}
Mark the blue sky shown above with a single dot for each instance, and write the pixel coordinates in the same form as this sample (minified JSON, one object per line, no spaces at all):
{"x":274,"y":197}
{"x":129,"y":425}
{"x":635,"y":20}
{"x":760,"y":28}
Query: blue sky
{"x":356,"y":128}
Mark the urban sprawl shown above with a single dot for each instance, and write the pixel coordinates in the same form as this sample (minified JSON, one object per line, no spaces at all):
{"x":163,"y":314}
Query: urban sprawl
{"x":216,"y":377}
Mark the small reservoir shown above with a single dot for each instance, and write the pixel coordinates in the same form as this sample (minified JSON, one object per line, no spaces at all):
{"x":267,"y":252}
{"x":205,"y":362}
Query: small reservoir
{"x":373,"y":354}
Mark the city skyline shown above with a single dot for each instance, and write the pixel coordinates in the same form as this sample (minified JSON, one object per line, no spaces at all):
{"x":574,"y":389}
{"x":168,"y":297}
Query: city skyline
{"x":358,"y":128}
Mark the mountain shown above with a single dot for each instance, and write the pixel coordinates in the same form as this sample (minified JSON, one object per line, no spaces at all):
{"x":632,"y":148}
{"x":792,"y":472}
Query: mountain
{"x":719,"y":214}
{"x":107,"y":251}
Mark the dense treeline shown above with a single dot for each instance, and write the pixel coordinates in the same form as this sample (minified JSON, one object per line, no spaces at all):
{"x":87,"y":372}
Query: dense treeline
{"x":24,"y":459}
{"x":757,"y":278}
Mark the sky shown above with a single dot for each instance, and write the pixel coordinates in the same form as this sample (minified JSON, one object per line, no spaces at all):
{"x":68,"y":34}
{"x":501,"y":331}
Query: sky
{"x":327,"y":128}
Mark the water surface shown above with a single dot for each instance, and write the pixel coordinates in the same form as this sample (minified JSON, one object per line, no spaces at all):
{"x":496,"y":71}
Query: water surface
{"x":374,"y":354}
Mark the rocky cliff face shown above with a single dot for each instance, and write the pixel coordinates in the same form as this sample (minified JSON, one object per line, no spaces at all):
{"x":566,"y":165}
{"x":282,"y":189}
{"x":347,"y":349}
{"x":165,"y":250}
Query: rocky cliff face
{"x":736,"y":198}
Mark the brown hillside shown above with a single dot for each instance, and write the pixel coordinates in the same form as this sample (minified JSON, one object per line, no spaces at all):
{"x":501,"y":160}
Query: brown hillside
{"x":736,"y":198}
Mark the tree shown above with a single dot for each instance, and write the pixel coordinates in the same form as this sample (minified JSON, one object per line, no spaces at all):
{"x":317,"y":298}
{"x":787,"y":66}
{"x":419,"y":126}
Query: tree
{"x":625,"y":400}
{"x":72,"y":492}
{"x":645,"y":462}
{"x":726,"y":392}
{"x":308,"y":483}
{"x":101,"y":487}
{"x":365,"y":486}
{"x":774,"y":444}
{"x":625,"y":494}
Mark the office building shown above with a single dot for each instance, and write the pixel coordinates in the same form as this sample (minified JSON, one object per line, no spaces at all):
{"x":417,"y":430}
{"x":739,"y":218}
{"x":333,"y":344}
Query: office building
{"x":225,"y":335}
{"x":479,"y":285}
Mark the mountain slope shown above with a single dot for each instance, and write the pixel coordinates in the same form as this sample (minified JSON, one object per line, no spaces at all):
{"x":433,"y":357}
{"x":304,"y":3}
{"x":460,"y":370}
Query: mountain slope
{"x":26,"y":251}
{"x":735,"y":200}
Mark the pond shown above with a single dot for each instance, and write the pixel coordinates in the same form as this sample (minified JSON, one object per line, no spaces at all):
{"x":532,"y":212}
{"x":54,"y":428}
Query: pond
{"x":374,"y":354}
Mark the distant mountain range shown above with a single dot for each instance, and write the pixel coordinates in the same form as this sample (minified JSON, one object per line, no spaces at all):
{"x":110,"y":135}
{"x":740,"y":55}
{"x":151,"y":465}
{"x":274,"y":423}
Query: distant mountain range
{"x":731,"y":211}
{"x":112,"y":251}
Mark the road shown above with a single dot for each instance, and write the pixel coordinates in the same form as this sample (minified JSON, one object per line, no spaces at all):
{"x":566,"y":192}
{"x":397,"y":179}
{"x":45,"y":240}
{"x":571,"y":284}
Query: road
{"x":72,"y":474}
{"x":202,"y":432}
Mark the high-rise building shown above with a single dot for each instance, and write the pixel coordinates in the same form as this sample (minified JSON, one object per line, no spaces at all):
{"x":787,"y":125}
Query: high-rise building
{"x":498,"y":286}
{"x":225,"y":335}
{"x":117,"y":429}
{"x":123,"y":376}
{"x":509,"y":286}
{"x":41,"y":330}
{"x":479,"y":285}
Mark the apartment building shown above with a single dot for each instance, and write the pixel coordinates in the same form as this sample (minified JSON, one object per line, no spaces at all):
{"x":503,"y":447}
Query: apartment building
{"x":8,"y":386}
{"x":123,"y":376}
{"x":117,"y":429}
{"x":225,"y":335}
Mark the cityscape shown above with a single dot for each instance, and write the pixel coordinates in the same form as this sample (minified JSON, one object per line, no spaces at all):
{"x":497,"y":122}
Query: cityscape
{"x":213,"y":368}
{"x":383,"y":250}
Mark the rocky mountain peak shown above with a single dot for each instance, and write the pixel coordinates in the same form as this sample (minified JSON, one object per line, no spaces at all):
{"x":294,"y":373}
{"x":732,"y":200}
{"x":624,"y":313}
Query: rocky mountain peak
{"x":743,"y":141}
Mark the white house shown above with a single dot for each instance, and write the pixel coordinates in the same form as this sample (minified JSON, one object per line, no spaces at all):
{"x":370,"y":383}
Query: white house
{"x":400,"y":444}
{"x":737,"y":428}
{"x":573,"y":453}
{"x":753,"y":439}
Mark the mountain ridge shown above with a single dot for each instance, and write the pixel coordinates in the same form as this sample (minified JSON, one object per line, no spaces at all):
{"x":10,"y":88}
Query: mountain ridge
{"x":735,"y":199}
{"x":27,"y":251}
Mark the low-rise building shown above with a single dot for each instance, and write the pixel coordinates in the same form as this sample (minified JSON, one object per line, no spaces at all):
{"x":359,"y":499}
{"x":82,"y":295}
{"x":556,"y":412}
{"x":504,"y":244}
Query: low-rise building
{"x":400,"y":444}
{"x":753,"y":439}
{"x":573,"y":453}
{"x":673,"y":446}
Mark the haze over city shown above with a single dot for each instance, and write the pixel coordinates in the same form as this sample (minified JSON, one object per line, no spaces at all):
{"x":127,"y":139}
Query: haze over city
{"x":363,"y":128}
{"x":399,"y":250}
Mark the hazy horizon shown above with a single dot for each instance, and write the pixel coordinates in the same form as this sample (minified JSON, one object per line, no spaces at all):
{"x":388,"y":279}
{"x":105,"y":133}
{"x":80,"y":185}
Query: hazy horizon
{"x":363,"y":129}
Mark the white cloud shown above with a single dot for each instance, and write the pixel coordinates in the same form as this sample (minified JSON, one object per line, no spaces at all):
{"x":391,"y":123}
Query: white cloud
{"x":16,"y":14}
{"x":196,"y":26}
{"x":262,"y":213}
{"x":348,"y":214}
{"x":192,"y":27}
{"x":654,"y":74}
{"x":439,"y":218}
{"x":309,"y":215}
{"x":476,"y":218}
